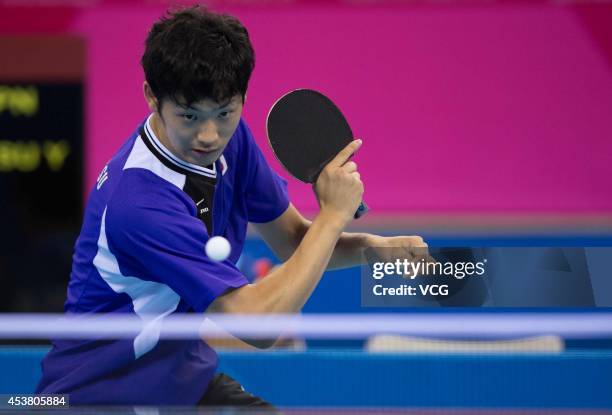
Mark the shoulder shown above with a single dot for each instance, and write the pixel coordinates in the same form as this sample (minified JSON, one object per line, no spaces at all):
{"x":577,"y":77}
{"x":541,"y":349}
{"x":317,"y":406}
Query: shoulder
{"x":242,"y":153}
{"x":242,"y":141}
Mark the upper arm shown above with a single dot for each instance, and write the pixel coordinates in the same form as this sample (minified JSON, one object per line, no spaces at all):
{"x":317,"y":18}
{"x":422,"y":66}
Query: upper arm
{"x":284,"y":233}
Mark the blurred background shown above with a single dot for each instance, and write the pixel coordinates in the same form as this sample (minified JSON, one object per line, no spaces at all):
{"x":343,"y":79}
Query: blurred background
{"x":486,"y":123}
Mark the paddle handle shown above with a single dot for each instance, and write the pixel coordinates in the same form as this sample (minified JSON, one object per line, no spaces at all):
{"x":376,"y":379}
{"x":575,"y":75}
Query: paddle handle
{"x":361,"y":210}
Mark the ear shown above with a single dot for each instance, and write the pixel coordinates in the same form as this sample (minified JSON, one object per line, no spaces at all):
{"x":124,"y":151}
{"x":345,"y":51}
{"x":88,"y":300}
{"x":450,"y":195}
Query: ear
{"x":150,"y":97}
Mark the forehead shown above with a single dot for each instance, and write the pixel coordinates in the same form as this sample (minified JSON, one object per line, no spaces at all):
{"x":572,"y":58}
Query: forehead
{"x":206,"y":104}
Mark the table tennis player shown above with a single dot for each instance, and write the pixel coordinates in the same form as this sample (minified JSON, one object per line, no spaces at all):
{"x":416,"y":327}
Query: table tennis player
{"x":190,"y":171}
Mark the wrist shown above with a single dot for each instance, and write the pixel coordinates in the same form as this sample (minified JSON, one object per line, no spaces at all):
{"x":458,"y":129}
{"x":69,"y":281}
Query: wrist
{"x":333,"y":220}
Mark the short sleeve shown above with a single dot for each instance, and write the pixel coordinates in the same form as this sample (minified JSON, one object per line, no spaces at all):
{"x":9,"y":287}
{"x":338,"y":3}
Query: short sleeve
{"x":266,"y":192}
{"x":152,"y":230}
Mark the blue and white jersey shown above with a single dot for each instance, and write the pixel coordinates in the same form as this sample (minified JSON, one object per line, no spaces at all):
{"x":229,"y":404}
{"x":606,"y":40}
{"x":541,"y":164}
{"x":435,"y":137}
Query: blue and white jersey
{"x":141,"y":251}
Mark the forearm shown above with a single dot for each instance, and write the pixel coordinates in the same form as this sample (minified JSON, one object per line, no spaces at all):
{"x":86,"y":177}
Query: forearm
{"x":349,"y":249}
{"x":286,"y":289}
{"x":347,"y":252}
{"x":300,"y":274}
{"x":286,"y":233}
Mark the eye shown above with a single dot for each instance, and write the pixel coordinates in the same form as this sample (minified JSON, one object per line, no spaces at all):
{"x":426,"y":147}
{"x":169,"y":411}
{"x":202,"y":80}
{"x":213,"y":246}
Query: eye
{"x":189,"y":117}
{"x":224,"y":114}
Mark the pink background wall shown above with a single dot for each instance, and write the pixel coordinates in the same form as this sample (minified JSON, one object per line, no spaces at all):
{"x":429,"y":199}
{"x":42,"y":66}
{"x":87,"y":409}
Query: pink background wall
{"x":472,"y":108}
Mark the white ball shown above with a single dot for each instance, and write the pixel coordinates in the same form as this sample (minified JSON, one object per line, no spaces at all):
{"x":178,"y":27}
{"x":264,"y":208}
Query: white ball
{"x":217,"y":248}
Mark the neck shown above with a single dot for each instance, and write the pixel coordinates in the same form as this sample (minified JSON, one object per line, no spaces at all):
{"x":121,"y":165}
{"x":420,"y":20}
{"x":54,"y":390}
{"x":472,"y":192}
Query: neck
{"x":157,"y":125}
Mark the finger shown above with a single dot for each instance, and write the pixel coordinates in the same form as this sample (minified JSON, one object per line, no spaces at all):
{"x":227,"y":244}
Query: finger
{"x":420,"y":252}
{"x":350,"y":167}
{"x":356,"y":175}
{"x":345,"y":154}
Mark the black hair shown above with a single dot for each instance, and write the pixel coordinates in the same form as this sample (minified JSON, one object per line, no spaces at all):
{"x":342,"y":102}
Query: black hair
{"x":192,"y":54}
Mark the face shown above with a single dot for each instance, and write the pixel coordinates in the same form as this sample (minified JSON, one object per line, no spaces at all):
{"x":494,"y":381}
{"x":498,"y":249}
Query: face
{"x":199,"y":133}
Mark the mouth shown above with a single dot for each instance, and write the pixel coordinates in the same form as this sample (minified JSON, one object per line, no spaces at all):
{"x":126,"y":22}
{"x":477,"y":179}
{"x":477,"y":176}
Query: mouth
{"x":202,"y":152}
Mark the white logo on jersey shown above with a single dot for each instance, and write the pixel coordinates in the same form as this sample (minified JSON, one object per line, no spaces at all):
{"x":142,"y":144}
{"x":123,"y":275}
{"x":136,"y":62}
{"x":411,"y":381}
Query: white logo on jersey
{"x":102,"y":177}
{"x":203,"y":210}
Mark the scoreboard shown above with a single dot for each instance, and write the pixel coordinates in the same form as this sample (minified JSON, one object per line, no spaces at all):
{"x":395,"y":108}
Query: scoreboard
{"x":40,"y":148}
{"x":41,"y":180}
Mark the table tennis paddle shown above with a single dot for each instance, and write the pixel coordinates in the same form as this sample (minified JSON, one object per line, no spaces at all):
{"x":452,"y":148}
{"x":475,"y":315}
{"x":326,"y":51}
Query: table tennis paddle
{"x":306,"y":131}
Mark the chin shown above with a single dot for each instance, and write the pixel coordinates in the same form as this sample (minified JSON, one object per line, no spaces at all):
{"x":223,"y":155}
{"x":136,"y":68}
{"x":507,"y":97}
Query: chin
{"x":205,"y":162}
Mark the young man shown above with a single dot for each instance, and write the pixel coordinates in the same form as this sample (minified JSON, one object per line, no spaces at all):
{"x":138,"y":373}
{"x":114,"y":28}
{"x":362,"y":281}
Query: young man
{"x":192,"y":171}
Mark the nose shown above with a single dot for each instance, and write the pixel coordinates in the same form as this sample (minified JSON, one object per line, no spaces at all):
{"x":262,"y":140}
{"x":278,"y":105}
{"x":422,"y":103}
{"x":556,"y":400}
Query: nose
{"x":208,"y":134}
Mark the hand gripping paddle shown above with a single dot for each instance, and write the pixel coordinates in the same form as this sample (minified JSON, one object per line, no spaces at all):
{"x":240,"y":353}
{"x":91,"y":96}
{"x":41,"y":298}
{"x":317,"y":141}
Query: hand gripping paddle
{"x":306,"y":131}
